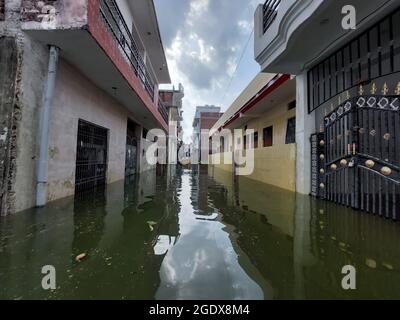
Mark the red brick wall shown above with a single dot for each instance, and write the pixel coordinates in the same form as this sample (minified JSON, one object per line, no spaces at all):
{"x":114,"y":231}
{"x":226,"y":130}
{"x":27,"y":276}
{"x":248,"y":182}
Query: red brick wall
{"x":166,"y":97}
{"x":207,"y":119}
{"x":39,"y":10}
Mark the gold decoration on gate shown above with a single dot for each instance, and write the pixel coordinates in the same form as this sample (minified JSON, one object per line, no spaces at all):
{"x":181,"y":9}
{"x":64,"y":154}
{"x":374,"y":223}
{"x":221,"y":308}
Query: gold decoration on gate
{"x":397,"y":91}
{"x":322,"y":171}
{"x":387,"y":136}
{"x":361,"y":90}
{"x":322,"y":157}
{"x":385,"y":89}
{"x":386,"y":171}
{"x":333,"y":167}
{"x":362,"y":130}
{"x":370,"y":164}
{"x":322,"y":186}
{"x":374,"y":89}
{"x":373,"y":132}
{"x":322,"y":143}
{"x":343,"y":163}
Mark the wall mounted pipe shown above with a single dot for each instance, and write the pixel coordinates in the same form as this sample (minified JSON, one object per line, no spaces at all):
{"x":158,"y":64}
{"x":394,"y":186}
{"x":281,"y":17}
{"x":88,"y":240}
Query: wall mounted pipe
{"x":45,"y":116}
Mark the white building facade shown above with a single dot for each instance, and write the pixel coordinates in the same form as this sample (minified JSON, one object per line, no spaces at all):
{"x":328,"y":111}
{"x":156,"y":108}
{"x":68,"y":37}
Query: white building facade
{"x":348,"y":89}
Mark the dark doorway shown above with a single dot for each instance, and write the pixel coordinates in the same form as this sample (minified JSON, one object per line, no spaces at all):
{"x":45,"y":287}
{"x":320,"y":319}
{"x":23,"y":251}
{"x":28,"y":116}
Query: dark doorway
{"x":91,"y":156}
{"x":131,"y":150}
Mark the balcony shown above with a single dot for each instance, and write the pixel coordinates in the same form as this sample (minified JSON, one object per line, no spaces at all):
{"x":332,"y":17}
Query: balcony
{"x":293,"y":35}
{"x":94,"y":37}
{"x":163,"y":110}
{"x":270,"y":11}
{"x":115,"y":22}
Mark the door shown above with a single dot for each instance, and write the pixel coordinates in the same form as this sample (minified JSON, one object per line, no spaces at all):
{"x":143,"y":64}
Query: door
{"x":91,"y":158}
{"x":359,"y":156}
{"x":131,"y":156}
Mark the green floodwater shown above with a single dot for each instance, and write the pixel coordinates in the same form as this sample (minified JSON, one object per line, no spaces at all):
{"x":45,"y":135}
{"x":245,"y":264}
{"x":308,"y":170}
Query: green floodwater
{"x":192,"y":234}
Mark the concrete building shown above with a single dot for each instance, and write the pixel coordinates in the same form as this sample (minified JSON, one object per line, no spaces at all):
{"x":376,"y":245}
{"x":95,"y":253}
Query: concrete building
{"x":267,"y":106}
{"x":172,"y":100}
{"x":204,"y":119}
{"x":78,"y":94}
{"x":348,"y":89}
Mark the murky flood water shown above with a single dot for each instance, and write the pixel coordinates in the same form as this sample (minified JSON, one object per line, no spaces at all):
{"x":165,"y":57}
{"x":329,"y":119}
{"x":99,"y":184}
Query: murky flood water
{"x":193,"y":235}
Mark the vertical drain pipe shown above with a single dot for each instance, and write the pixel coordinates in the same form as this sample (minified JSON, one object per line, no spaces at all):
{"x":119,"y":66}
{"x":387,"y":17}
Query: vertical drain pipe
{"x":43,"y":164}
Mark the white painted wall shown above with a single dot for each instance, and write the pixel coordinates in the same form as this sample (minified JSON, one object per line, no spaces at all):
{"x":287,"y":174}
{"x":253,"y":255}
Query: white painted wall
{"x":305,"y":126}
{"x":76,"y":98}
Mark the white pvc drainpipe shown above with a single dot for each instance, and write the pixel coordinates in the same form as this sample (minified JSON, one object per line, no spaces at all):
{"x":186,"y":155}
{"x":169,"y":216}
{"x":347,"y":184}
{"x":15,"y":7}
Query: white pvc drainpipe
{"x":43,"y":164}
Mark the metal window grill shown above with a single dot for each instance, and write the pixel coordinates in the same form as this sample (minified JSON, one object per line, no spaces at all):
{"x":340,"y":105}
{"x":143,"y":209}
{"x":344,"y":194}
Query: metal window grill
{"x":371,"y":55}
{"x":91,"y":158}
{"x":270,"y":11}
{"x":163,"y":110}
{"x":116,"y":24}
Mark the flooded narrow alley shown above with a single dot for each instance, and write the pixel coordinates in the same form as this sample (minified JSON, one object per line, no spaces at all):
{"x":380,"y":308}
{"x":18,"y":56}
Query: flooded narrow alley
{"x":192,"y":234}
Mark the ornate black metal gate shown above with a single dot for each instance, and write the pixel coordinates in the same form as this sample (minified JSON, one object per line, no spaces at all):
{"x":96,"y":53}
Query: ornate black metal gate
{"x":356,"y":161}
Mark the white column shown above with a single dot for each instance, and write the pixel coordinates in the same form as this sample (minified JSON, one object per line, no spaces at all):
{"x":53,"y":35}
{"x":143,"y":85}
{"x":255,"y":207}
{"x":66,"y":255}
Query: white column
{"x":305,"y":126}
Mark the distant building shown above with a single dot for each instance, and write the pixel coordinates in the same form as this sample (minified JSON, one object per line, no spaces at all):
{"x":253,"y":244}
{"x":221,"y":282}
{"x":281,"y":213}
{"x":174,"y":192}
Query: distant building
{"x":172,"y":100}
{"x":204,"y":119}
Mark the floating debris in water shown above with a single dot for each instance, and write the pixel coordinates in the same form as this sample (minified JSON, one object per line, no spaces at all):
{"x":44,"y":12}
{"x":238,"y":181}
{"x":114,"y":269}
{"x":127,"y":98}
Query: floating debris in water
{"x":80,"y":257}
{"x":387,"y":266}
{"x":370,"y":263}
{"x":151,"y":225}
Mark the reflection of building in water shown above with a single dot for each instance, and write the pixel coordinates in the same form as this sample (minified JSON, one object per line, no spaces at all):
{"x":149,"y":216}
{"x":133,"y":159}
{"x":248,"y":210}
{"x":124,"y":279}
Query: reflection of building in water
{"x":300,"y":245}
{"x":199,"y":190}
{"x":205,"y":254}
{"x":89,"y":215}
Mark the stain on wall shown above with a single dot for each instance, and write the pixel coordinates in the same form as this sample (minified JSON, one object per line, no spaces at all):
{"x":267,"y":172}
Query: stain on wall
{"x":9,"y":118}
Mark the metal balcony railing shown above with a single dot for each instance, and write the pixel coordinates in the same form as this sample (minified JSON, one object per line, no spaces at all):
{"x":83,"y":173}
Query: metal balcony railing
{"x":163,"y":110}
{"x":116,"y":24}
{"x":270,"y":11}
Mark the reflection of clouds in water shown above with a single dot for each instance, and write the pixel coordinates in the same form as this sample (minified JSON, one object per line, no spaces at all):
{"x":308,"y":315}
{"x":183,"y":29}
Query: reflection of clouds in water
{"x":203,"y":264}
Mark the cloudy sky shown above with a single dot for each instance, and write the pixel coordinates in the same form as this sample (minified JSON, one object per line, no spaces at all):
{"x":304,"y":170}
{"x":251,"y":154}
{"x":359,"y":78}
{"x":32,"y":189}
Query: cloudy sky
{"x":204,"y":41}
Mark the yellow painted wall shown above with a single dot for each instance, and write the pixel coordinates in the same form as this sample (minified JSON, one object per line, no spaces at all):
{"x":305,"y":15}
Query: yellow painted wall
{"x":274,"y":165}
{"x":218,"y":160}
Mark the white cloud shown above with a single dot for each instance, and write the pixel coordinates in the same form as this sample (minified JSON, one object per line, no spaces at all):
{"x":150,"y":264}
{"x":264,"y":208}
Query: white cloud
{"x":203,"y":46}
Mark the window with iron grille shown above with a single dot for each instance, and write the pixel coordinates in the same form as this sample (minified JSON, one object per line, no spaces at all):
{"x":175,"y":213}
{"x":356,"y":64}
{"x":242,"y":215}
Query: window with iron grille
{"x":291,"y":131}
{"x":373,"y":54}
